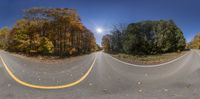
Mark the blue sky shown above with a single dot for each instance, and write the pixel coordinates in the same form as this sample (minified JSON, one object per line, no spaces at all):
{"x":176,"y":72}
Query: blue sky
{"x":106,"y":13}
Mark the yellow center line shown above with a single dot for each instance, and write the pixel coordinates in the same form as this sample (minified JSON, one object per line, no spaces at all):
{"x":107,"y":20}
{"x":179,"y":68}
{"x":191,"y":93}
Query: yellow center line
{"x":47,"y":87}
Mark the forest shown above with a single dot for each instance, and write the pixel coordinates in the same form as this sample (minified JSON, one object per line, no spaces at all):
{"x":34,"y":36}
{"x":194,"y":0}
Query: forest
{"x":145,"y":38}
{"x":48,"y":31}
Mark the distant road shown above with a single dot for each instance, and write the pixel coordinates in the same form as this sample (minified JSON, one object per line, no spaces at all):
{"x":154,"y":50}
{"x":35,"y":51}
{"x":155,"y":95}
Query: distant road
{"x":108,"y":79}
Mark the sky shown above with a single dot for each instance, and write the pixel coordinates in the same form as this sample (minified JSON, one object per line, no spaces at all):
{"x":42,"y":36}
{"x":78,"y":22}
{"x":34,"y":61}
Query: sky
{"x":103,"y":14}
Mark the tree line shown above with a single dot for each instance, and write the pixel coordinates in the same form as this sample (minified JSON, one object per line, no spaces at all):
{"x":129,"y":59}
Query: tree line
{"x":49,"y":31}
{"x":145,"y":37}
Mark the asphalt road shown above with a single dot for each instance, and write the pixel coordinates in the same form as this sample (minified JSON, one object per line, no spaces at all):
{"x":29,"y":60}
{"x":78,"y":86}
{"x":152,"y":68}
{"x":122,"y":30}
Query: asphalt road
{"x":109,"y":78}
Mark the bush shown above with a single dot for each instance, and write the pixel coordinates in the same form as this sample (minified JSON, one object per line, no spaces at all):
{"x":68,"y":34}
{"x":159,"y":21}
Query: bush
{"x":46,"y":46}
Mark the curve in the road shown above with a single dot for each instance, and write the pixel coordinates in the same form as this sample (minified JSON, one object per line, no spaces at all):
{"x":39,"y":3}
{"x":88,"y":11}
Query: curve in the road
{"x":12,"y":75}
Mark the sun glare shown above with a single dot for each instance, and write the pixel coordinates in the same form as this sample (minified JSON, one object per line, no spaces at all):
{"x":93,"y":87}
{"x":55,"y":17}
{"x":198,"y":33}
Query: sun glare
{"x":99,"y":30}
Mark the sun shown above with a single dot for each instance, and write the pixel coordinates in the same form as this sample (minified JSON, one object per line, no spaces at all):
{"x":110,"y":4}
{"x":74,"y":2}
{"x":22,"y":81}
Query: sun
{"x":99,"y":30}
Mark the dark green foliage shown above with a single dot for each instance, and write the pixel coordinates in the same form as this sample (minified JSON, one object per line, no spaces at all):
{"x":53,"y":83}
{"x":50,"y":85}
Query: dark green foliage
{"x":117,"y":37}
{"x":148,"y":37}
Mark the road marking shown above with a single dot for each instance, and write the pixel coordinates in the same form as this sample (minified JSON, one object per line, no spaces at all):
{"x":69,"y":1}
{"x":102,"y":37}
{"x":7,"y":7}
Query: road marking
{"x":148,"y":66}
{"x":47,"y":87}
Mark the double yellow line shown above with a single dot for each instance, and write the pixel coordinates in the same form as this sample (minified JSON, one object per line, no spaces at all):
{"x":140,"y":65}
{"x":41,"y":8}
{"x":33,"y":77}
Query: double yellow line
{"x":47,"y":87}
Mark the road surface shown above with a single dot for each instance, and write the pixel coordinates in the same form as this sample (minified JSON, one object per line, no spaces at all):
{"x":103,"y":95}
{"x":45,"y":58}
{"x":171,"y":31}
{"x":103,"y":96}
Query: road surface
{"x":108,"y":79}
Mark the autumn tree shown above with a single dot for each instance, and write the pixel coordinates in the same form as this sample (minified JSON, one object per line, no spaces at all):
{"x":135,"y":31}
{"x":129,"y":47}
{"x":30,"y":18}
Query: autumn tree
{"x":4,"y":32}
{"x":55,"y":31}
{"x":18,"y":37}
{"x":106,"y":43}
{"x":195,"y":43}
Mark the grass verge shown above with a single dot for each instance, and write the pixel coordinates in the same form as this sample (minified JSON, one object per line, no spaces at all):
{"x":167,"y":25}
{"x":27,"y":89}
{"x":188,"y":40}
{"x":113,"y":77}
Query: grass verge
{"x":148,"y":59}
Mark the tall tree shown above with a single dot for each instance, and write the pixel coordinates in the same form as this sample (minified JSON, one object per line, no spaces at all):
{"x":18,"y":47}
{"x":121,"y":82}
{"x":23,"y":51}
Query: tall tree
{"x":56,"y":31}
{"x":106,"y":43}
{"x":148,"y":37}
{"x":4,"y":32}
{"x":195,"y":43}
{"x":118,"y":33}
